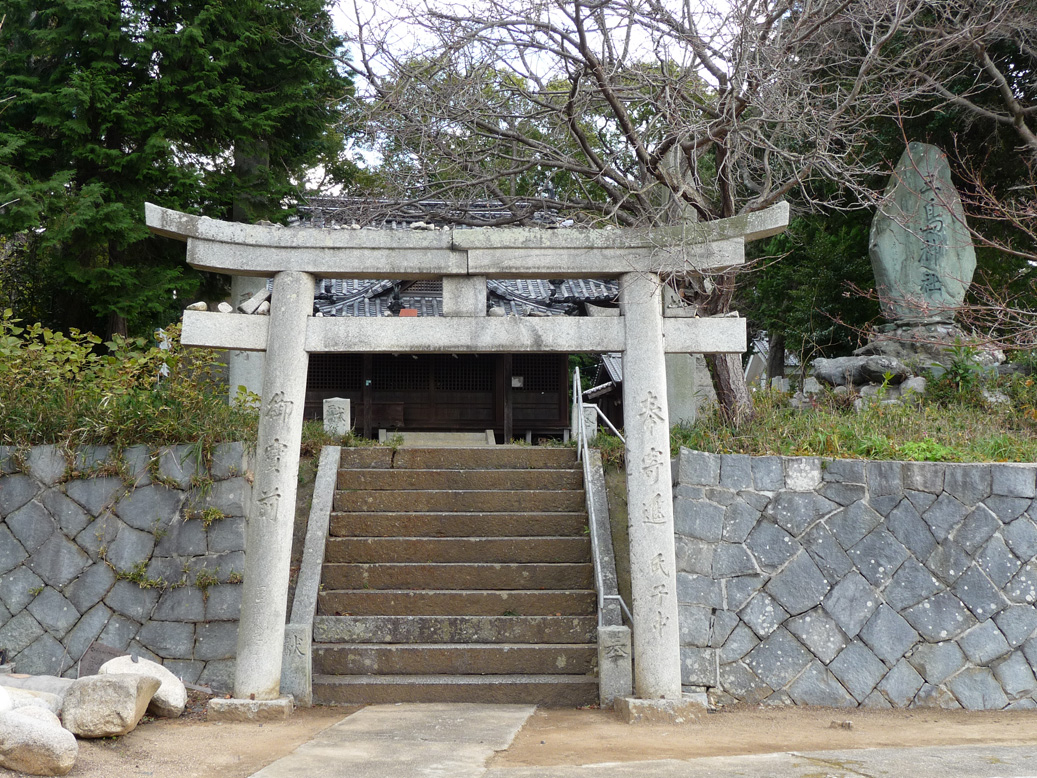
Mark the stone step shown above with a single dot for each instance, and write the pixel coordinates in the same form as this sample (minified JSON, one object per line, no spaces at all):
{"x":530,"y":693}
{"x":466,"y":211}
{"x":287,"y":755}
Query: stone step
{"x":460,"y":480}
{"x":458,"y":576}
{"x":486,"y":550}
{"x":438,"y":501}
{"x":495,"y":458}
{"x":390,"y":602}
{"x":443,"y":525}
{"x":455,"y":629}
{"x":559,"y":691}
{"x":468,"y":659}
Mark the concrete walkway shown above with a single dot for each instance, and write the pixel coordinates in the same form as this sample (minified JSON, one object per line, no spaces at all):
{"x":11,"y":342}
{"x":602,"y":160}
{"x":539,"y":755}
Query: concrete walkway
{"x":456,"y":741}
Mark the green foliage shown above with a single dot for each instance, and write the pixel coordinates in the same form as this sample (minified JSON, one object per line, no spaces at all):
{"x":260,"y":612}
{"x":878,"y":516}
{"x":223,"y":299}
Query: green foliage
{"x":138,"y":574}
{"x":73,"y":390}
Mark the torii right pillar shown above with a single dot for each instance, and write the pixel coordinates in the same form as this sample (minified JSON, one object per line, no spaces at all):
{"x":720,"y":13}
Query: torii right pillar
{"x":656,"y":638}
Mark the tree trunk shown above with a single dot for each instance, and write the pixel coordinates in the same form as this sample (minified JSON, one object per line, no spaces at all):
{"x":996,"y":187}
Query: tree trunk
{"x":736,"y":405}
{"x":775,"y":356}
{"x":117,"y":325}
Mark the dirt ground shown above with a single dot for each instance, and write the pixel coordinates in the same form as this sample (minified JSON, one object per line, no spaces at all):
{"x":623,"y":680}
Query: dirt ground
{"x":192,"y":747}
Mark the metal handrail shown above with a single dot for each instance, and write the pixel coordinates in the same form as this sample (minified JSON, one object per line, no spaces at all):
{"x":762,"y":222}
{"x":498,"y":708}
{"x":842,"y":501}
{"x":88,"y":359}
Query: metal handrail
{"x":583,"y":455}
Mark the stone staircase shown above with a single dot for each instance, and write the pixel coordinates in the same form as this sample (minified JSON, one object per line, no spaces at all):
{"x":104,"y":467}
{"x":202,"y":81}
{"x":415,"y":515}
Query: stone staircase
{"x":457,"y":575}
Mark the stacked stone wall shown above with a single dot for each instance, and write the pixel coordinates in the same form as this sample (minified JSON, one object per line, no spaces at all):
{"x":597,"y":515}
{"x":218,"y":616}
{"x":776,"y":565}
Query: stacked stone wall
{"x":141,"y":551}
{"x":845,"y":583}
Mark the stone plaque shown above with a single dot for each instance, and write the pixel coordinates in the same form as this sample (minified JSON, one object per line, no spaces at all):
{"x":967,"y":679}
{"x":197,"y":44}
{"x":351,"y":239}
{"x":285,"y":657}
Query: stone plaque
{"x":337,"y":416}
{"x":920,"y":247}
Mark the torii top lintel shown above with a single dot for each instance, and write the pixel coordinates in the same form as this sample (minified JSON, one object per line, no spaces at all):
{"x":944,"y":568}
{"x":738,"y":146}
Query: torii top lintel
{"x":256,"y":250}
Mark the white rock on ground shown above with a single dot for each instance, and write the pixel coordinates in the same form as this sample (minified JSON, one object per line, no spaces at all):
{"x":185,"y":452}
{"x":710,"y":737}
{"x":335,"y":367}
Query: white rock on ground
{"x":22,"y":698}
{"x":107,"y":705}
{"x":37,"y":683}
{"x":6,"y":703}
{"x":170,"y":699}
{"x":33,"y":741}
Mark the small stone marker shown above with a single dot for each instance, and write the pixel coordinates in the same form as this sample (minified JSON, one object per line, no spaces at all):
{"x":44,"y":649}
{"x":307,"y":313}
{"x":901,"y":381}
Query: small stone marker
{"x":337,"y":420}
{"x":920,"y":247}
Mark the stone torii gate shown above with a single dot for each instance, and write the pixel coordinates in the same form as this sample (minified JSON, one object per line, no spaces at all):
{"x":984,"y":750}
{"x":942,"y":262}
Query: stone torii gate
{"x":464,"y":259}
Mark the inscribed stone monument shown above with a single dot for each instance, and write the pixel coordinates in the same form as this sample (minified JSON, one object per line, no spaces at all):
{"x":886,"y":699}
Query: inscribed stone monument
{"x":920,"y":247}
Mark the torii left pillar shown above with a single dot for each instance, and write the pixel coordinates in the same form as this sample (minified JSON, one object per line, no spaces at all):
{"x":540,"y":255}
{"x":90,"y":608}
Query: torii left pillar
{"x":264,"y":599}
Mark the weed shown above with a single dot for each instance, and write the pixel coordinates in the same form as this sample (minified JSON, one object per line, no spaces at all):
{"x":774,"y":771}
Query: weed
{"x":210,"y":516}
{"x":203,"y":579}
{"x":138,"y":574}
{"x":36,"y":591}
{"x":235,"y":577}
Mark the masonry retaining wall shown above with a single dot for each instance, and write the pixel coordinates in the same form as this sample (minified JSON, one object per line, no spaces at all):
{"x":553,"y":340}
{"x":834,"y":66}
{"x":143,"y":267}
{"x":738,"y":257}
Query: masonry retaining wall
{"x":116,"y":550}
{"x":844,"y":583}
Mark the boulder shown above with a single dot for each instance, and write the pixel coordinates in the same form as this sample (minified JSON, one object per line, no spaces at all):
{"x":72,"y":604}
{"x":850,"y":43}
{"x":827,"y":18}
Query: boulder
{"x":37,"y":683}
{"x":170,"y":699}
{"x":107,"y":705}
{"x":33,"y":741}
{"x":6,"y":703}
{"x":857,"y":371}
{"x":23,"y":698}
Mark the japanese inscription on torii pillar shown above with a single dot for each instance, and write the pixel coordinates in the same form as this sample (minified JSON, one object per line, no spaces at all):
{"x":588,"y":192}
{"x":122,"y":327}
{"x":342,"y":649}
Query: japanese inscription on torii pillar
{"x":464,"y":259}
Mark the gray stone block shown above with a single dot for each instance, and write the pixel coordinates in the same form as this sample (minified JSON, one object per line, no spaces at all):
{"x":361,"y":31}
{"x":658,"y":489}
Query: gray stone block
{"x":742,"y":684}
{"x":228,"y":461}
{"x":697,"y":468}
{"x":851,"y":603}
{"x":843,"y":471}
{"x":90,"y":458}
{"x":739,"y":520}
{"x":700,"y":520}
{"x":53,"y":612}
{"x":32,"y":525}
{"x":819,"y":633}
{"x":1021,"y":537}
{"x":96,"y":495}
{"x":771,"y":546}
{"x":695,"y":622}
{"x":1017,"y":623}
{"x":16,"y":491}
{"x":937,"y":661}
{"x":1013,"y":480}
{"x":11,"y":552}
{"x":758,"y":500}
{"x":979,"y":595}
{"x":70,"y":516}
{"x":1007,"y":508}
{"x":227,"y":535}
{"x":876,"y":701}
{"x":187,"y":670}
{"x":826,"y":552}
{"x":901,"y":684}
{"x":144,"y":652}
{"x":137,"y":460}
{"x":970,"y":484}
{"x":722,"y":497}
{"x":118,"y":632}
{"x":47,"y":464}
{"x":944,"y":515}
{"x":948,"y":562}
{"x":685,"y":492}
{"x":923,"y":477}
{"x":997,"y":561}
{"x":736,"y":471}
{"x":167,"y":569}
{"x":128,"y":599}
{"x":976,"y":688}
{"x":219,"y":675}
{"x":858,"y":669}
{"x":930,"y":696}
{"x":802,"y":474}
{"x":168,"y":639}
{"x":179,"y":464}
{"x":1022,"y":588}
{"x":800,"y":586}
{"x":878,"y":556}
{"x":888,"y":635}
{"x":8,"y":460}
{"x":852,"y":523}
{"x":183,"y":538}
{"x":58,"y":561}
{"x":778,"y":659}
{"x":698,"y":666}
{"x":795,"y":511}
{"x":740,"y":642}
{"x":1024,"y":704}
{"x":150,"y":507}
{"x":921,"y":500}
{"x":941,"y":617}
{"x":907,"y":526}
{"x":46,"y":656}
{"x":185,"y":603}
{"x":737,"y":591}
{"x":768,"y":473}
{"x":16,"y":588}
{"x":130,"y":548}
{"x":90,"y":587}
{"x":218,"y":640}
{"x":1029,"y":649}
{"x":230,"y":497}
{"x":224,"y":603}
{"x":763,"y":614}
{"x":1015,"y":675}
{"x":843,"y":494}
{"x":693,"y":556}
{"x":911,"y":584}
{"x":977,"y":528}
{"x":984,"y":643}
{"x":698,"y":590}
{"x":86,"y":631}
{"x":98,"y":534}
{"x":19,"y":633}
{"x":885,"y":479}
{"x":731,"y":560}
{"x":886,"y":504}
{"x":724,"y":622}
{"x":818,"y":686}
